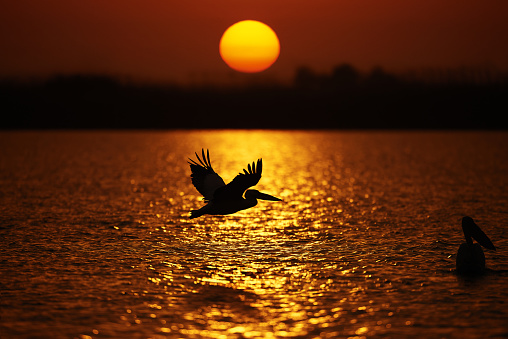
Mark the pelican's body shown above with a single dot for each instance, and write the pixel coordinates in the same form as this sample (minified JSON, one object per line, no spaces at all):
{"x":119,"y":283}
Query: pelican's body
{"x":225,"y":199}
{"x":470,"y":257}
{"x":223,"y":207}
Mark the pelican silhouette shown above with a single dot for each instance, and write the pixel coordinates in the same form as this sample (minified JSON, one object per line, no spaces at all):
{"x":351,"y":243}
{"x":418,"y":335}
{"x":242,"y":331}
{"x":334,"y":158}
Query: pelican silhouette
{"x":470,"y":257}
{"x":224,"y":199}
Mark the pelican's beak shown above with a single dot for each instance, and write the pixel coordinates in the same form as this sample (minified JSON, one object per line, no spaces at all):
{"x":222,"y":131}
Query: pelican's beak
{"x":472,"y":229}
{"x":264,"y":196}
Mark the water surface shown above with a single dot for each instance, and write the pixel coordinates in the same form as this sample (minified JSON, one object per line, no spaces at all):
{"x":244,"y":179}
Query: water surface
{"x":95,"y":239}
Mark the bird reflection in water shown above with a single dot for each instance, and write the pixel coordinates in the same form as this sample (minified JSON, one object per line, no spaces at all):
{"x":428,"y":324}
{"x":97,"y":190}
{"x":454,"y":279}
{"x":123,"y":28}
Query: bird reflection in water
{"x":470,"y":257}
{"x":224,"y":199}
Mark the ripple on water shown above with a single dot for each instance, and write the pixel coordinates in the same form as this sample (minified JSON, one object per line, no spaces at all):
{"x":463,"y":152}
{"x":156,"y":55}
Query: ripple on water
{"x":96,"y":240}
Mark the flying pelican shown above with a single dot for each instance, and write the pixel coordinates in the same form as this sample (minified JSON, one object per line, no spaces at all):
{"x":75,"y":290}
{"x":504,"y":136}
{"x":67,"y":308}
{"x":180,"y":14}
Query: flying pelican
{"x":221,"y":198}
{"x":470,"y":257}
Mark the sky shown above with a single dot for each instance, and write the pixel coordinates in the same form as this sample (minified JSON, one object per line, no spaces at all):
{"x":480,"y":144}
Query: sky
{"x":178,"y":41}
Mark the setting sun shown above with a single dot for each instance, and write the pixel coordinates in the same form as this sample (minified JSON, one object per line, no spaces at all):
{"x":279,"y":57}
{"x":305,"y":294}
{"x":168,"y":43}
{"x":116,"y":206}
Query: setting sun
{"x":249,"y":46}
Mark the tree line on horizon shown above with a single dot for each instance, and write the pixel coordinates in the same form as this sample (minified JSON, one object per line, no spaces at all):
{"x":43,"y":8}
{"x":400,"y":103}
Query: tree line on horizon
{"x":344,"y":98}
{"x":345,"y":75}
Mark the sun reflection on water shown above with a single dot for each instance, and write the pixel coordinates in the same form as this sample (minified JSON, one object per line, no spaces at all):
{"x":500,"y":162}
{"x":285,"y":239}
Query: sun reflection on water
{"x":261,"y":275}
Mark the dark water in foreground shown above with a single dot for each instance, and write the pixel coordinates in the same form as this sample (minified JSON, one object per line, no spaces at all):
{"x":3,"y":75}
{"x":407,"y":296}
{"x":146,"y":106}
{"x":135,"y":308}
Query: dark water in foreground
{"x":95,"y":239}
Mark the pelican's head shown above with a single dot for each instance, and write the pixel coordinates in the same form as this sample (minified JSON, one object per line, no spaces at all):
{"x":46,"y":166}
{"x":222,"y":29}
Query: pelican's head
{"x":254,"y":194}
{"x":472,"y":231}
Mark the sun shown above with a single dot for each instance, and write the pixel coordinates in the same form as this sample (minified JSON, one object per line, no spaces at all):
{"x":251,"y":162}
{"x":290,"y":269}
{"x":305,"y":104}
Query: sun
{"x":249,"y":46}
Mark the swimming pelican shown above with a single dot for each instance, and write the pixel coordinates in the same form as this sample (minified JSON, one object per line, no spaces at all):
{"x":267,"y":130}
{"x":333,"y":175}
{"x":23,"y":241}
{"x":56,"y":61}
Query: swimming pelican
{"x":470,"y":257}
{"x":221,"y":198}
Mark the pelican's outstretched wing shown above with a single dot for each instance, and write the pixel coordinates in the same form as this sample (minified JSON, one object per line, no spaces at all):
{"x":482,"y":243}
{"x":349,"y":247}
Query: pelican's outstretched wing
{"x":241,"y":182}
{"x":204,"y":177}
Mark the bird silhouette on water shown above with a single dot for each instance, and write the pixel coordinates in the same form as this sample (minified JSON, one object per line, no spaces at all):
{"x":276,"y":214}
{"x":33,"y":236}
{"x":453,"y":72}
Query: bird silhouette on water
{"x":470,"y":257}
{"x":224,"y":199}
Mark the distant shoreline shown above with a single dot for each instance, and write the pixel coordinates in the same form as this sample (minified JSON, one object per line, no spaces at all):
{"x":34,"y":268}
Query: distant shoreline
{"x":344,"y":99}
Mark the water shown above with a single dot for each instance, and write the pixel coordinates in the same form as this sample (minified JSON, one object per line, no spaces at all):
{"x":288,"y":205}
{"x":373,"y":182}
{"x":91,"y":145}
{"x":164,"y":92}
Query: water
{"x":95,"y":239}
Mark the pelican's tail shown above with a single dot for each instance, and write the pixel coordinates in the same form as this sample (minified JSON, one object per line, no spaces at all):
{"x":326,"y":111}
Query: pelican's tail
{"x":196,"y":213}
{"x":202,"y":211}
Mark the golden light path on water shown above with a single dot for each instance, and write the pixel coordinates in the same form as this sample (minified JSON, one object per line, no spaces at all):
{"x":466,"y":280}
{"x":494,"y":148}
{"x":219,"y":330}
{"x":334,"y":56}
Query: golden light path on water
{"x":278,"y":269}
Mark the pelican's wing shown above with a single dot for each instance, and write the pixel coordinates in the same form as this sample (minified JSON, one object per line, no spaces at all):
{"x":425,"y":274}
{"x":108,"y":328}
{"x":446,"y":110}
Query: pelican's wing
{"x":235,"y":189}
{"x":204,"y":177}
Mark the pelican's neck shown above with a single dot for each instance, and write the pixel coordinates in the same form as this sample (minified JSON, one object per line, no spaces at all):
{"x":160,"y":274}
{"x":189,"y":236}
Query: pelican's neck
{"x":251,"y":196}
{"x":250,"y":201}
{"x":467,"y":235}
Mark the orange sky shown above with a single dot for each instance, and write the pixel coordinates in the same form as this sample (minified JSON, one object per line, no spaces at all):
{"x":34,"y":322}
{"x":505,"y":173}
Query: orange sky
{"x":178,"y":40}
